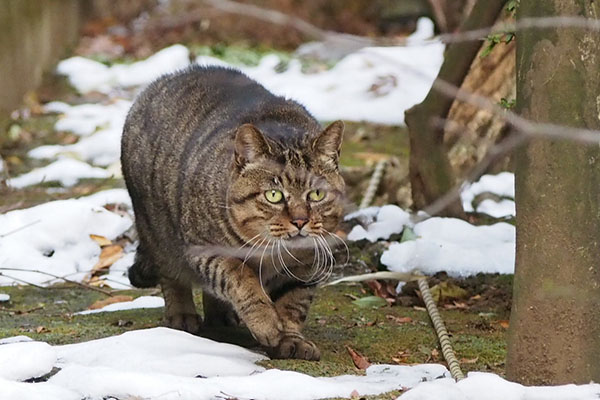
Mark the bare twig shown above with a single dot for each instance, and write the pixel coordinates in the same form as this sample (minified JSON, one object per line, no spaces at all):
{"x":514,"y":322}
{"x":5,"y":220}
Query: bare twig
{"x":22,"y":281}
{"x":83,"y":285}
{"x":398,"y":276}
{"x":20,"y":228}
{"x":522,"y":24}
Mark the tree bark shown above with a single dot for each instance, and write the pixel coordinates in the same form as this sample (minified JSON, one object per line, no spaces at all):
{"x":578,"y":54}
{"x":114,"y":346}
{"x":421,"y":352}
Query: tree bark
{"x":430,"y":172}
{"x":554,"y":335}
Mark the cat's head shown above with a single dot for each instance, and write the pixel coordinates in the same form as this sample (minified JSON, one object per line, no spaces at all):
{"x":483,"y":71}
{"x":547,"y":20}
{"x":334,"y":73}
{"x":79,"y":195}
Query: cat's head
{"x":286,"y":192}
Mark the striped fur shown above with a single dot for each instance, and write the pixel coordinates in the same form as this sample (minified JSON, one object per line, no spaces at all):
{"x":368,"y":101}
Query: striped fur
{"x":200,"y":148}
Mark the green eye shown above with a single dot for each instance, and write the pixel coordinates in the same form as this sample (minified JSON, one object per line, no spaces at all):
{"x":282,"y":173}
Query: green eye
{"x":316,"y":195}
{"x":274,"y":196}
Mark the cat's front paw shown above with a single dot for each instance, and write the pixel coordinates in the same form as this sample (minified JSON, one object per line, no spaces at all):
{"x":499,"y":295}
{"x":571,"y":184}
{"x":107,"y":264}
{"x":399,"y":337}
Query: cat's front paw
{"x":191,"y":323}
{"x":294,"y":345}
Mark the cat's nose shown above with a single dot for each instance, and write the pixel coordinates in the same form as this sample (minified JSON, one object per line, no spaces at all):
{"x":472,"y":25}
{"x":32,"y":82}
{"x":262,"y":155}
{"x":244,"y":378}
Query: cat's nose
{"x":300,"y":222}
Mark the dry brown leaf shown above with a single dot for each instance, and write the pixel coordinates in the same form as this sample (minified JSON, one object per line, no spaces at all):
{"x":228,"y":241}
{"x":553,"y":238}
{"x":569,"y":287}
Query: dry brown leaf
{"x":399,"y":320}
{"x":469,"y":360}
{"x":108,"y":256}
{"x":109,"y":300}
{"x":101,"y":240}
{"x":382,"y":290}
{"x":42,"y":329}
{"x":504,"y":323}
{"x":360,"y":361}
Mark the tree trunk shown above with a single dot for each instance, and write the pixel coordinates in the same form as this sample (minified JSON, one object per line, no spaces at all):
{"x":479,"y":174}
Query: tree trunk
{"x":554,"y":334}
{"x":430,"y":172}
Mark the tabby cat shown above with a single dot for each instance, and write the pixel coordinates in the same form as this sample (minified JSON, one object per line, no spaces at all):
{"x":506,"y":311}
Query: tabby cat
{"x":236,"y":190}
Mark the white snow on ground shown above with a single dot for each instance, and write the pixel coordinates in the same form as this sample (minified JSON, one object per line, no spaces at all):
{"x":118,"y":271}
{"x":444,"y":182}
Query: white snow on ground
{"x":24,"y":360}
{"x":162,"y":363}
{"x":373,"y":84}
{"x":454,"y":246}
{"x":140,"y":302}
{"x":502,"y":184}
{"x":4,"y":297}
{"x":55,"y":238}
{"x":390,"y":219}
{"x":66,"y":171}
{"x":88,"y":75}
{"x":486,"y":386}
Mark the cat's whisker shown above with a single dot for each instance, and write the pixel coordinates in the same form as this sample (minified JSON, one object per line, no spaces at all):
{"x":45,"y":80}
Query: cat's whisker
{"x":291,"y":255}
{"x":286,"y":268}
{"x":319,"y":260}
{"x":330,"y":260}
{"x":260,"y":268}
{"x":333,"y":235}
{"x":252,"y":250}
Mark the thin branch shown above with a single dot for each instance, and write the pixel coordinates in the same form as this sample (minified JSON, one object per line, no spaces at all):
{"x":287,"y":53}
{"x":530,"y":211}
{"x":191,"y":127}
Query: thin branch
{"x":83,"y":285}
{"x":522,"y":24}
{"x":283,"y":19}
{"x":22,"y":281}
{"x":20,"y":228}
{"x":398,"y":276}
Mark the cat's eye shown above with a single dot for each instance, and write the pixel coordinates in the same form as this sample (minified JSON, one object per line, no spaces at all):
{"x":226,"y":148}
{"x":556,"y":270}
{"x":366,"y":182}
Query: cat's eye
{"x":274,"y":196}
{"x":316,"y":195}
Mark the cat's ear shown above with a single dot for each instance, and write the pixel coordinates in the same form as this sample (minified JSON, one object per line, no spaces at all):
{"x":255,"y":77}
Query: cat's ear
{"x":328,"y":144}
{"x":250,"y":144}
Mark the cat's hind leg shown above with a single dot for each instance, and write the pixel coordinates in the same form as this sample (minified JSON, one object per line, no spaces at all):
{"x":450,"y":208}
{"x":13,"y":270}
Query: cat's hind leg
{"x":180,"y":310}
{"x":218,"y":312}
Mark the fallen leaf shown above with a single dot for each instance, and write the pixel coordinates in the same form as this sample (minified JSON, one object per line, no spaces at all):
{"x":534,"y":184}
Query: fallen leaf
{"x":399,"y":320}
{"x":109,"y":300}
{"x":469,"y":360}
{"x":370,"y":301}
{"x":504,"y":323}
{"x":101,"y":240}
{"x":383,"y":290}
{"x":360,"y":361}
{"x":448,"y":291}
{"x":108,"y":256}
{"x":354,"y":394}
{"x":42,"y":329}
{"x":476,"y":297}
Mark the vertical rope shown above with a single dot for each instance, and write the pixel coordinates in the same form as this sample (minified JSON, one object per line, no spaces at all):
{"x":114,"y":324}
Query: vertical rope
{"x":434,"y":314}
{"x":441,"y":331}
{"x":373,"y":184}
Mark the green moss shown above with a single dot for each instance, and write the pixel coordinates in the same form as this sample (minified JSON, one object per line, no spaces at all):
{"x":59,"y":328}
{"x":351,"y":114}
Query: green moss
{"x":372,"y":138}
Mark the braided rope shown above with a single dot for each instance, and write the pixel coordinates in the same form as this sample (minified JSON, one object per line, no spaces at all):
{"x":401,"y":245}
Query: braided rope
{"x":434,"y":314}
{"x":373,"y":184}
{"x":441,"y":331}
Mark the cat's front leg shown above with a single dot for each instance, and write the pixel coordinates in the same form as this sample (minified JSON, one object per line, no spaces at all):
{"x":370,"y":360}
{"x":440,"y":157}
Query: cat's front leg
{"x":229,"y":280}
{"x":292,"y":305}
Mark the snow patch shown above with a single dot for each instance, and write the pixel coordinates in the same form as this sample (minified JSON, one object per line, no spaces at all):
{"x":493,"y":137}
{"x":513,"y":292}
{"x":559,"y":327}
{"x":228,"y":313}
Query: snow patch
{"x":140,"y":302}
{"x":4,"y":297}
{"x":66,"y":171}
{"x":479,"y":385}
{"x":24,"y":360}
{"x":55,"y":238}
{"x":502,"y":184}
{"x":390,"y":219}
{"x":454,"y":246}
